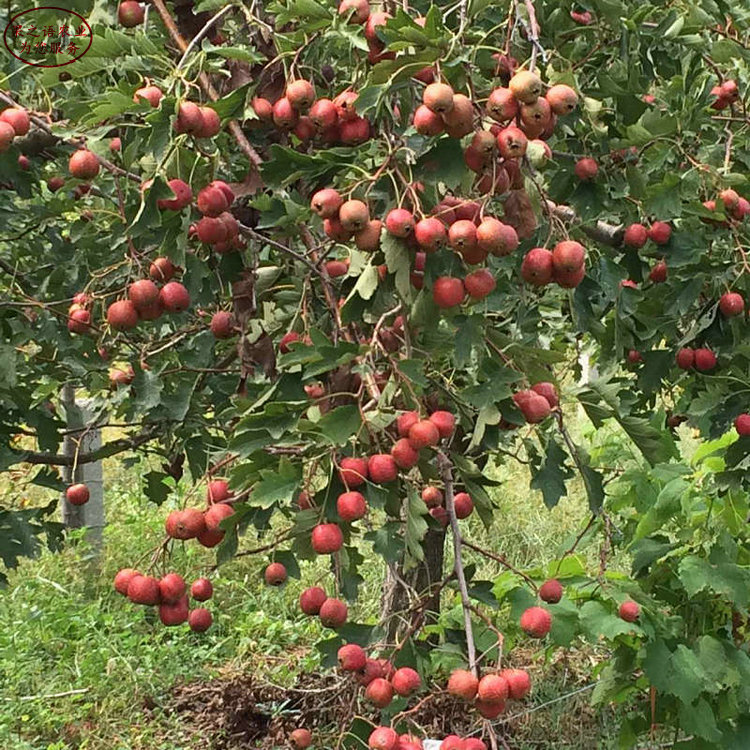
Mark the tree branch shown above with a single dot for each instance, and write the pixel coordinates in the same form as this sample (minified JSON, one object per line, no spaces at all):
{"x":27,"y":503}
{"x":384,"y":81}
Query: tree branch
{"x":605,"y":234}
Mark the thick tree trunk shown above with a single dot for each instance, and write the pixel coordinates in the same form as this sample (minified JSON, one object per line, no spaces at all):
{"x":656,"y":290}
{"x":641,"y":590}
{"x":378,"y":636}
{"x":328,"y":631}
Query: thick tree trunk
{"x":399,"y":608}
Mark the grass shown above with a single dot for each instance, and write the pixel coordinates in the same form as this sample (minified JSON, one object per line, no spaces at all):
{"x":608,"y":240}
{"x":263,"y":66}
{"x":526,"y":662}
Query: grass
{"x":62,"y":628}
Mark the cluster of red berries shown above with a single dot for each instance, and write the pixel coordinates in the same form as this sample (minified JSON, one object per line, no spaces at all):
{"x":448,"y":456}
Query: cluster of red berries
{"x":332,"y":120}
{"x":218,"y":227}
{"x":736,"y":207}
{"x":14,"y":121}
{"x":537,"y":402}
{"x":704,"y":360}
{"x":197,"y":120}
{"x":146,"y":301}
{"x":314,"y":601}
{"x":432,"y":497}
{"x":169,"y":594}
{"x":726,"y":93}
{"x":564,"y":265}
{"x":490,"y":693}
{"x":203,"y":525}
{"x":385,"y":738}
{"x":636,"y":235}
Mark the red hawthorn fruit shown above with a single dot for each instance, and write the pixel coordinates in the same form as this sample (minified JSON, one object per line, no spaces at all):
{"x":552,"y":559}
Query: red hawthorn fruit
{"x":183,"y":196}
{"x":333,"y":613}
{"x":152,"y":94}
{"x":353,"y":132}
{"x":382,"y":468}
{"x":115,"y":145}
{"x":189,"y":118}
{"x":55,"y":183}
{"x":285,"y":116}
{"x":406,"y":421}
{"x":551,"y":591}
{"x":210,"y":123}
{"x":705,"y":360}
{"x":480,"y":284}
{"x":311,"y":600}
{"x":742,"y":425}
{"x":492,"y":688}
{"x":660,"y":232}
{"x":537,"y":267}
{"x":130,"y":14}
{"x":327,"y":538}
{"x":172,"y":588}
{"x":222,"y":325}
{"x":143,"y":294}
{"x":463,"y":505}
{"x":326,"y":203}
{"x":351,"y":506}
{"x":144,"y":590}
{"x":685,"y":358}
{"x":353,"y":471}
{"x":77,"y":494}
{"x":423,"y":434}
{"x":17,"y":118}
{"x":731,"y":304}
{"x":536,"y":622}
{"x":532,"y":405}
{"x":568,"y":256}
{"x":212,"y":201}
{"x":185,"y":524}
{"x":7,"y":134}
{"x":474,"y":743}
{"x":635,"y":236}
{"x":432,"y":497}
{"x":382,"y":738}
{"x":549,"y":392}
{"x":379,"y":692}
{"x":489,"y":709}
{"x":354,"y":215}
{"x":502,"y":105}
{"x":440,"y":514}
{"x":323,"y":114}
{"x":174,"y":613}
{"x":202,"y":589}
{"x":586,"y":169}
{"x":427,"y":122}
{"x":404,"y":455}
{"x":634,"y":357}
{"x":301,"y":738}
{"x":200,"y":620}
{"x":368,"y":239}
{"x":448,"y":291}
{"x":399,"y":222}
{"x":658,"y":273}
{"x":359,"y":9}
{"x":300,"y":94}
{"x":351,"y":657}
{"x":561,"y":99}
{"x":406,"y":681}
{"x":336,"y":268}
{"x":629,"y":283}
{"x":162,"y":269}
{"x":288,"y":338}
{"x":174,"y":297}
{"x":217,"y":490}
{"x":463,"y":684}
{"x":216,"y":514}
{"x":519,"y":683}
{"x":629,"y":611}
{"x":275,"y":574}
{"x":495,"y":237}
{"x":444,"y":421}
{"x":452,"y":742}
{"x":512,"y":142}
{"x":371,"y":671}
{"x":122,"y":315}
{"x":123,"y":579}
{"x":210,"y":539}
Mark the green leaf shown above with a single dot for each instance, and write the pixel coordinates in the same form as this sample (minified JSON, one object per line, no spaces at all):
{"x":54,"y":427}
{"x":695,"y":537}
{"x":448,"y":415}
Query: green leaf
{"x":416,"y":528}
{"x":277,"y":487}
{"x":155,"y":489}
{"x":398,"y":260}
{"x":550,"y":477}
{"x":339,"y":424}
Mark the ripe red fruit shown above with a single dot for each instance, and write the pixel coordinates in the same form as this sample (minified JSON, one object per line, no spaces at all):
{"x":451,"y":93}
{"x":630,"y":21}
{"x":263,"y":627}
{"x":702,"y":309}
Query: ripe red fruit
{"x":311,"y":600}
{"x":532,"y":405}
{"x":731,"y":304}
{"x":404,"y":455}
{"x":463,"y":684}
{"x":526,"y":86}
{"x":462,"y":236}
{"x":79,"y":321}
{"x":438,"y":97}
{"x":636,"y":236}
{"x":288,"y":338}
{"x":353,"y":471}
{"x":326,"y":203}
{"x":368,"y":239}
{"x":354,"y":215}
{"x":502,"y":105}
{"x":474,"y":743}
{"x":359,"y":9}
{"x":489,"y":709}
{"x":301,"y":738}
{"x":562,"y":99}
{"x":480,"y":284}
{"x":333,"y":613}
{"x":183,"y":196}
{"x":323,"y":114}
{"x":495,"y":237}
{"x":285,"y":116}
{"x":629,"y":611}
{"x":463,"y":505}
{"x":222,"y":325}
{"x":7,"y":134}
{"x":352,"y":132}
{"x":586,"y":169}
{"x":174,"y":297}
{"x":660,"y":232}
{"x":199,"y":620}
{"x":658,"y":273}
{"x":144,"y":590}
{"x":77,"y":494}
{"x":217,"y":491}
{"x":216,"y":514}
{"x":549,"y":392}
{"x":444,"y":421}
{"x":551,"y":591}
{"x":406,"y":421}
{"x":382,"y":468}
{"x":427,"y":122}
{"x":336,"y":268}
{"x":122,"y":315}
{"x":130,"y":14}
{"x":202,"y":589}
{"x":399,"y":222}
{"x":275,"y":574}
{"x":162,"y":269}
{"x":55,"y":183}
{"x":432,"y":497}
{"x":143,"y":294}
{"x":452,"y":742}
{"x":492,"y":688}
{"x":634,"y":357}
{"x":300,"y":94}
{"x":423,"y":434}
{"x":172,"y":588}
{"x":440,"y":514}
{"x":405,"y":681}
{"x":352,"y":657}
{"x":512,"y":142}
{"x":536,"y":622}
{"x":567,"y":257}
{"x":519,"y":683}
{"x":351,"y":506}
{"x":705,"y":360}
{"x":459,"y":121}
{"x":83,"y":164}
{"x":383,"y":738}
{"x":448,"y":291}
{"x":152,"y":94}
{"x":174,"y":613}
{"x":17,"y":118}
{"x":327,"y":538}
{"x":210,"y":123}
{"x":123,"y":579}
{"x":371,"y":671}
{"x":185,"y":524}
{"x":537,"y":267}
{"x":685,"y":358}
{"x":742,"y":424}
{"x":212,"y":201}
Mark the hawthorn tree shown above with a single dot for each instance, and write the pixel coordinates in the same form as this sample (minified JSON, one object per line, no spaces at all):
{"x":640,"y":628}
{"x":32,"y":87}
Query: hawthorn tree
{"x":335,"y":262}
